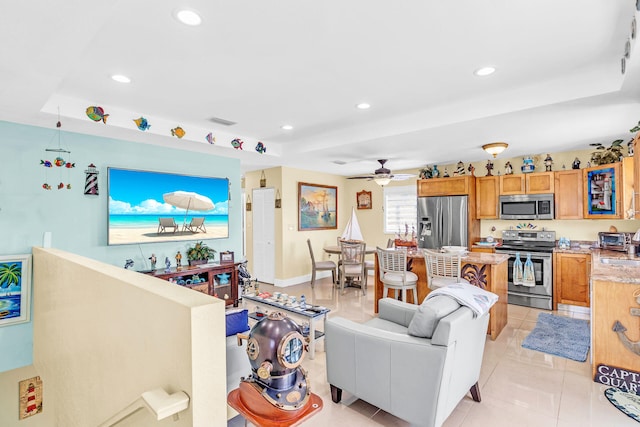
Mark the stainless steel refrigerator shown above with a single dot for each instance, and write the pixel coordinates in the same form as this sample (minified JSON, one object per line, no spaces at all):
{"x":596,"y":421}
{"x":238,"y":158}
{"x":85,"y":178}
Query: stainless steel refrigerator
{"x":442,"y":221}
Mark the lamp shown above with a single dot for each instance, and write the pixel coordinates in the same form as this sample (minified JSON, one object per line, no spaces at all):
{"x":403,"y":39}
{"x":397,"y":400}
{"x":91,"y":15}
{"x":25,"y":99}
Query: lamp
{"x":495,"y":148}
{"x":382,"y":180}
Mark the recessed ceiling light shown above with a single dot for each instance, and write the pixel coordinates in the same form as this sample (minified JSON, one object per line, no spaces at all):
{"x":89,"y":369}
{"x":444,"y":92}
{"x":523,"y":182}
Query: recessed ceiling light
{"x":286,"y":127}
{"x":484,"y":71}
{"x":363,"y":106}
{"x":120,"y":78}
{"x":188,"y":17}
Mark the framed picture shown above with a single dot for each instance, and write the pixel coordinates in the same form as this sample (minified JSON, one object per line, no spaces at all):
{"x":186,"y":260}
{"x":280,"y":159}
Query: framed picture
{"x":226,"y":257}
{"x":363,"y":199}
{"x":601,"y":190}
{"x":317,"y":207}
{"x":15,"y":289}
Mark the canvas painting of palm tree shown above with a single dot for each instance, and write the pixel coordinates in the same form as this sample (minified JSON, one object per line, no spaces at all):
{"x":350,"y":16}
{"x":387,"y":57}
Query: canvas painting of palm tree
{"x":15,"y":289}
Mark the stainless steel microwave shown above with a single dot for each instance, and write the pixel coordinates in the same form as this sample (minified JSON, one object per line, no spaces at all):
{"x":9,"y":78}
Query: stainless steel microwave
{"x":527,"y":206}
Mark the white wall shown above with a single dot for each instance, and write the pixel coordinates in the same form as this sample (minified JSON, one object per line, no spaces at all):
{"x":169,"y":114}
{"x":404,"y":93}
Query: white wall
{"x":103,"y":335}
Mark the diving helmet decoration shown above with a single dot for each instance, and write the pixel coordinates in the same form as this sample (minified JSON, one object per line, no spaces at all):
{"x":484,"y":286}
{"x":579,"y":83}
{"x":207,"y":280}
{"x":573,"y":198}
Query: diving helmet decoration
{"x":276,"y":348}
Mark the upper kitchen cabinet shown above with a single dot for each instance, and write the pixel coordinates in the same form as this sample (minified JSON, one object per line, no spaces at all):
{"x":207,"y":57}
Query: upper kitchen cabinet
{"x":608,"y":190}
{"x":529,"y":183}
{"x":568,"y":194}
{"x":452,"y":186}
{"x":487,"y":193}
{"x":636,"y":175}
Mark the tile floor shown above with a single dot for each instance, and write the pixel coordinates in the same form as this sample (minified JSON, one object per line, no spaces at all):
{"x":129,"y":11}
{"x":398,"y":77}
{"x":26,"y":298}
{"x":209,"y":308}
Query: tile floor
{"x":519,"y":387}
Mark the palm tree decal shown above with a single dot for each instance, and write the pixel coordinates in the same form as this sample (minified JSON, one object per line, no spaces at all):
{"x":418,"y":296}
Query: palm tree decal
{"x":475,"y":275}
{"x":9,"y":274}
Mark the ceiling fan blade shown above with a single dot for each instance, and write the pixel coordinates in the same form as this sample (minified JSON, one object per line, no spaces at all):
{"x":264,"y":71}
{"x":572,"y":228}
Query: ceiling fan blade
{"x":401,"y":176}
{"x":360,"y":177}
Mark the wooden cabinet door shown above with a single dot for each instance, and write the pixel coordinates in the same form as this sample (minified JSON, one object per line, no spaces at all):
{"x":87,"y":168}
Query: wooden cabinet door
{"x":636,"y":174}
{"x":539,"y":183}
{"x":568,"y":194}
{"x":487,"y":188}
{"x":452,"y":186}
{"x":571,"y":279}
{"x":512,"y":184}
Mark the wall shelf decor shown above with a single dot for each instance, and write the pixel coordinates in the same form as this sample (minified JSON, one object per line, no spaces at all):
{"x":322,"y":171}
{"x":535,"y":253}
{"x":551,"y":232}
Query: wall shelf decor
{"x":363,"y":199}
{"x":601,"y":190}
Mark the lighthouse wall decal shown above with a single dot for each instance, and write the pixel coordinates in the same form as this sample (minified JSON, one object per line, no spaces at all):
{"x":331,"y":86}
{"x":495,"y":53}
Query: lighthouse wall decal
{"x":91,"y":182}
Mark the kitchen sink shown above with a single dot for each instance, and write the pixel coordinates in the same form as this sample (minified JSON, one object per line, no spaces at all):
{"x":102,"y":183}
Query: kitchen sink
{"x":621,"y":261}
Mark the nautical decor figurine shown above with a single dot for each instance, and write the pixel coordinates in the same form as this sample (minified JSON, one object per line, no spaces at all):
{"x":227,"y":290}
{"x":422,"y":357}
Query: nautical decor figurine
{"x":128,"y":264}
{"x":527,"y":165}
{"x":153,"y":261}
{"x":91,"y":180}
{"x":459,"y":169}
{"x":167,"y":264}
{"x":178,"y":259}
{"x":548,"y":162}
{"x":508,"y":169}
{"x":471,"y":169}
{"x":575,"y":164}
{"x":489,"y":167}
{"x":277,"y":388}
{"x":435,"y":173}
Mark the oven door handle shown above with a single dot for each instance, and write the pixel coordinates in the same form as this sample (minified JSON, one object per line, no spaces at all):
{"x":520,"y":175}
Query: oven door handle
{"x":522,"y":294}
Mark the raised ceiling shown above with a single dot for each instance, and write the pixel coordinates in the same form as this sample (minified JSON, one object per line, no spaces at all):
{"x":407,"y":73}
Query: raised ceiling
{"x":558,"y":84}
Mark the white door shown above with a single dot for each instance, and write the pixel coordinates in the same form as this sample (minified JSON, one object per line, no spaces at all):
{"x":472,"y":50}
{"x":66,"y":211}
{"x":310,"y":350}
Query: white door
{"x":264,"y":261}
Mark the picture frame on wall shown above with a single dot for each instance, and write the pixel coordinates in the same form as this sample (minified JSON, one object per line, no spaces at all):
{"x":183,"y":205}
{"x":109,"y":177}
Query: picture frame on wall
{"x":317,"y":207}
{"x":363,"y":199}
{"x":15,"y":289}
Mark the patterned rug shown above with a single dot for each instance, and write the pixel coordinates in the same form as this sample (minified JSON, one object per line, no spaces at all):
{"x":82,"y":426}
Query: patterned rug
{"x":560,"y":336}
{"x":627,"y":403}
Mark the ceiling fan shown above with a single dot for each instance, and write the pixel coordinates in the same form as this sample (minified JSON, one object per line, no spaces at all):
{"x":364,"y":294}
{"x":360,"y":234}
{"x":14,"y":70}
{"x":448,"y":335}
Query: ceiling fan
{"x":382,"y":176}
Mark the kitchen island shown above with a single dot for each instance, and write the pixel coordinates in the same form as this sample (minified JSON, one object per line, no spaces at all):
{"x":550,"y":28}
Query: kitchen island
{"x":485,"y":270}
{"x":615,"y":319}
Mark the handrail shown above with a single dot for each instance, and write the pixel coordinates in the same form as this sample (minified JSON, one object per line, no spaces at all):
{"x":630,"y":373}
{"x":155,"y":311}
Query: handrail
{"x":160,"y":403}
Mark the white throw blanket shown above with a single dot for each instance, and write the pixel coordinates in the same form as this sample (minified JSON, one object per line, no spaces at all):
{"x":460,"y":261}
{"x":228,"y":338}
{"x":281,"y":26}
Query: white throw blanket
{"x":477,"y":299}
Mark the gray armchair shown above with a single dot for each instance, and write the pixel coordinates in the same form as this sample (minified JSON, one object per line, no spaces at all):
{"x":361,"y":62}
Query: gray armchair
{"x":418,"y":379}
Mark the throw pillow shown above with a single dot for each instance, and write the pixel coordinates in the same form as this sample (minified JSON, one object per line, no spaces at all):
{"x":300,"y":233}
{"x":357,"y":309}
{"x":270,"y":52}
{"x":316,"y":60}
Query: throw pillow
{"x":426,"y":318}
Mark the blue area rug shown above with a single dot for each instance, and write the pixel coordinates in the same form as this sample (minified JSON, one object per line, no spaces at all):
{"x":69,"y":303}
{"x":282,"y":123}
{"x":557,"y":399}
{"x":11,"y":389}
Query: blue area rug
{"x":560,"y":336}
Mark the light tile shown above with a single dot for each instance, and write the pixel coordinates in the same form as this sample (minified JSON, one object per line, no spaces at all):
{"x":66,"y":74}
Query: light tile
{"x":518,"y":386}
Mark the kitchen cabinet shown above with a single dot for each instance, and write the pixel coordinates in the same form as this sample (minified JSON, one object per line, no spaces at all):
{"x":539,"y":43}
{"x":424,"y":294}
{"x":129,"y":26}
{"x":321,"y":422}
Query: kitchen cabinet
{"x":636,"y":176}
{"x":527,"y":183}
{"x":487,"y":192}
{"x":571,"y":279}
{"x":217,"y":279}
{"x":608,"y":190}
{"x":452,"y":186}
{"x":568,"y":194}
{"x":486,"y":250}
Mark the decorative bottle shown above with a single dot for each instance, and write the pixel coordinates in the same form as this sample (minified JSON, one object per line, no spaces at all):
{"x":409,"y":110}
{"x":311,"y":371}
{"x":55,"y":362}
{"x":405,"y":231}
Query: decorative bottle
{"x":517,"y":270}
{"x":528,"y":275}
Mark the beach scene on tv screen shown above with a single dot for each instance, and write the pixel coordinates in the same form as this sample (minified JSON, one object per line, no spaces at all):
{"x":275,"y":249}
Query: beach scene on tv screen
{"x":148,"y":207}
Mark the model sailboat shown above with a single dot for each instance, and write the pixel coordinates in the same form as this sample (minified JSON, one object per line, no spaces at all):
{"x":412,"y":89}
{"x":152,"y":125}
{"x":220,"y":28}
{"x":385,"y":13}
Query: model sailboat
{"x":352,"y":230}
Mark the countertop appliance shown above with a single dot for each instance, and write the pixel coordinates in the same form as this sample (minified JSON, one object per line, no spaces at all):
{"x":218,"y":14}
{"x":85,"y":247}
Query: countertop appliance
{"x":539,"y":245}
{"x":617,"y":241}
{"x":527,"y":206}
{"x":442,"y":221}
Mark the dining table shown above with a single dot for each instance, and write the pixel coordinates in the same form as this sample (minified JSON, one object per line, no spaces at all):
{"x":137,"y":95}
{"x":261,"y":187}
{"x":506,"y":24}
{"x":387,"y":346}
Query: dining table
{"x":335,"y":250}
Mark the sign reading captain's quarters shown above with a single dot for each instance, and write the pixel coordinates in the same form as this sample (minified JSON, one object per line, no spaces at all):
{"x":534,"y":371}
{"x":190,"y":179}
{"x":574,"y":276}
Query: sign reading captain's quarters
{"x":623,"y":379}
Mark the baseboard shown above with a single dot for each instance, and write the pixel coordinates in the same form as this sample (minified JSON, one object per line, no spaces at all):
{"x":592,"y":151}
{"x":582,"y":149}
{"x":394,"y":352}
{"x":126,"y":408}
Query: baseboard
{"x":280,"y":283}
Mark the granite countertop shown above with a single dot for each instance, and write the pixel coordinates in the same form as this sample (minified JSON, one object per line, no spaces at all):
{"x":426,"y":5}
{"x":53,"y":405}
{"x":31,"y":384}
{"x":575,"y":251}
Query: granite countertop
{"x":471,"y":257}
{"x":613,"y":272}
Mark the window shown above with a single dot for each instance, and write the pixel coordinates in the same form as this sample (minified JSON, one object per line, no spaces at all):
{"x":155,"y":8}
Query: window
{"x":400,"y":208}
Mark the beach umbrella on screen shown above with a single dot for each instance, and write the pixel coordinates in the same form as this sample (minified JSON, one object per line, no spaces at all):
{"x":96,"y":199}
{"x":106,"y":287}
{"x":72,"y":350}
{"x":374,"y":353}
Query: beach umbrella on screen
{"x":188,"y":200}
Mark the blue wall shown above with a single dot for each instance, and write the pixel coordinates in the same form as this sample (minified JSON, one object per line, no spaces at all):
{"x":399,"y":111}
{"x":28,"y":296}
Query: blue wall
{"x":78,"y":222}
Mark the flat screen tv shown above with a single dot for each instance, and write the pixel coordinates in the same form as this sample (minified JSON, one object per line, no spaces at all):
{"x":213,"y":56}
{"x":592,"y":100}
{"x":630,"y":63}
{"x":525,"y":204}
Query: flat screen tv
{"x":151,"y":207}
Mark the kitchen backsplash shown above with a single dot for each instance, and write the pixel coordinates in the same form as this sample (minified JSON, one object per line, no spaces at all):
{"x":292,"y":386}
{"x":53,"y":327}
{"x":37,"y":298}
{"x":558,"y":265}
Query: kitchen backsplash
{"x":579,"y":229}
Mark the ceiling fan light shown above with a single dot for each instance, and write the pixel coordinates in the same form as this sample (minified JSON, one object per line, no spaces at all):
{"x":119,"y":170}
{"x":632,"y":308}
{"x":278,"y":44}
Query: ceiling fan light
{"x":382,"y":181}
{"x":495,"y":148}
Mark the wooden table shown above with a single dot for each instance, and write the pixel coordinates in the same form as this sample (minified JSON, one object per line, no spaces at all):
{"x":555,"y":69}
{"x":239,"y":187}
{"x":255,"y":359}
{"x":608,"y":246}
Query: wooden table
{"x":335,"y":250}
{"x":487,"y":271}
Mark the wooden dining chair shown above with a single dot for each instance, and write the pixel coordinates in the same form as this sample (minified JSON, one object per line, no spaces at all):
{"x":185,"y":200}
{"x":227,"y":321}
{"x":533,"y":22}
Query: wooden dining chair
{"x":353,"y":265}
{"x":320,"y":266}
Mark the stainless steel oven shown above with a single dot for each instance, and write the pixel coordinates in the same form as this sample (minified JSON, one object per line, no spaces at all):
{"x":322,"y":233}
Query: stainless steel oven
{"x":539,"y":246}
